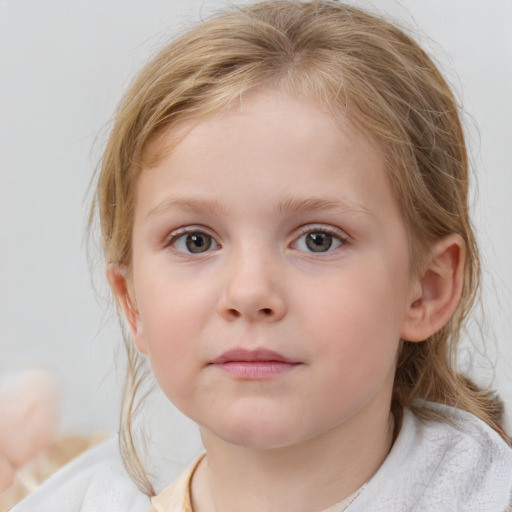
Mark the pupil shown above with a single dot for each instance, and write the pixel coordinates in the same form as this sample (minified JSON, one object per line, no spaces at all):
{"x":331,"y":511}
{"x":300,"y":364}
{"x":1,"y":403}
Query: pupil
{"x":198,"y":242}
{"x":319,"y":242}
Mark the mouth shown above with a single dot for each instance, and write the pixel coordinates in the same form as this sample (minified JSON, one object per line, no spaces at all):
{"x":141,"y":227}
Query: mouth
{"x":254,"y":364}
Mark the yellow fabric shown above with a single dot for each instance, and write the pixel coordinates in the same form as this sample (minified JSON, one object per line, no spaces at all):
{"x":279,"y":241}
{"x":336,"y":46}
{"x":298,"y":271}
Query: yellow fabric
{"x":176,"y":497}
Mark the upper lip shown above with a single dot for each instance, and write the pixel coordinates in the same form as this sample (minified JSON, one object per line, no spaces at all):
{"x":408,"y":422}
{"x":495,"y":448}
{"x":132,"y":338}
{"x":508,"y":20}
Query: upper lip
{"x":256,"y":355}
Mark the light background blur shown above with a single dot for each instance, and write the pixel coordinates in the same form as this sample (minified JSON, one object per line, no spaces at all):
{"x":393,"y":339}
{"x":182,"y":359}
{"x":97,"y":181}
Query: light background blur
{"x":63,"y":68}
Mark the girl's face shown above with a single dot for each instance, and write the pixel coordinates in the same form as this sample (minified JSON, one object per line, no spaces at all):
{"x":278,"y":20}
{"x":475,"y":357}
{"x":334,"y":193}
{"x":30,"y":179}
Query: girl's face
{"x":271,"y":275}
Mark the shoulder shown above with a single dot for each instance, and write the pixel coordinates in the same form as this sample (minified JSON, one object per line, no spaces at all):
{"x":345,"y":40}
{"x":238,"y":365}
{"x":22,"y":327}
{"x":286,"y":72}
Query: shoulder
{"x":94,"y":481}
{"x":461,"y":465}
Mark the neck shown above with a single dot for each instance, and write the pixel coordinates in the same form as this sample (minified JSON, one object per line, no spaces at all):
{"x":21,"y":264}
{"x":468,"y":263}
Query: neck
{"x":305,"y":477}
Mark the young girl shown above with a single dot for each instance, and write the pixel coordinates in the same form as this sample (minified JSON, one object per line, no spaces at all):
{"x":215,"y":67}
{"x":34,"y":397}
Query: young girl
{"x":283,"y":204}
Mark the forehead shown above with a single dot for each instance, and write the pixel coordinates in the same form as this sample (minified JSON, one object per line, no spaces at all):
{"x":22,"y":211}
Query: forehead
{"x":278,"y":103}
{"x":267,"y":142}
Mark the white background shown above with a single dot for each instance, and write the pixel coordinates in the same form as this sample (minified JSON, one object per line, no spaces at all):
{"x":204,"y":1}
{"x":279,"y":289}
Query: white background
{"x":63,"y":67}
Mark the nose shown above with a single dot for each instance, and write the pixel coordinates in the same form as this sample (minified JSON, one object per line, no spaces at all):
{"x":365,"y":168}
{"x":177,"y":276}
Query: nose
{"x":253,"y":291}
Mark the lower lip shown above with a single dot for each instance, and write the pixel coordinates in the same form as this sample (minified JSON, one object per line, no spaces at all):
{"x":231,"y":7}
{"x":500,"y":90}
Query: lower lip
{"x":256,"y":370}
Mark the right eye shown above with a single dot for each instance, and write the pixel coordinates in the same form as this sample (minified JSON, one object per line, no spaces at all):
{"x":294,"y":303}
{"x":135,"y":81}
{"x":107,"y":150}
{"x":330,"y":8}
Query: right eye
{"x":194,"y":242}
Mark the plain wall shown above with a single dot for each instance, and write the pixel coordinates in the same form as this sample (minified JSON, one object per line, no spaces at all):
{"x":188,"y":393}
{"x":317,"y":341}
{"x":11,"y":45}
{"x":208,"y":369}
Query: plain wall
{"x":64,"y":66}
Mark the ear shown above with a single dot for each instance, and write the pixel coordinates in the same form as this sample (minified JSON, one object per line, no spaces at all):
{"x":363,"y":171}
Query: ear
{"x":118,"y":279}
{"x":437,"y":290}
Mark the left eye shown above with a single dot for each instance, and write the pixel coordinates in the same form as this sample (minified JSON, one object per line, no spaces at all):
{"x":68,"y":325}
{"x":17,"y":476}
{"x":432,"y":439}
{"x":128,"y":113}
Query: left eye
{"x":318,"y":241}
{"x":194,"y":243}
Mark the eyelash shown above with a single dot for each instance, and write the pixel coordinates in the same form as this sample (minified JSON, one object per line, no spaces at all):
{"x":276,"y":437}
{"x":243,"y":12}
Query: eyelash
{"x":182,"y":233}
{"x":335,"y":233}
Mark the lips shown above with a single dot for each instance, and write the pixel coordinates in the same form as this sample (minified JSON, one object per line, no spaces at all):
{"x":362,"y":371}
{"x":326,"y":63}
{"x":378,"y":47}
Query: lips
{"x":258,"y":355}
{"x":253,"y":364}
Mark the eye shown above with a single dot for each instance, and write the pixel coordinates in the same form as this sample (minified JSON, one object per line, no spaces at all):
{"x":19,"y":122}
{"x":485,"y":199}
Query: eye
{"x":319,"y":241}
{"x":194,"y":242}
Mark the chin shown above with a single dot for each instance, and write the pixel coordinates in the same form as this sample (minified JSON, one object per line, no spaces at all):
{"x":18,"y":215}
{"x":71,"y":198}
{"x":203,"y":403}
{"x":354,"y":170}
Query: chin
{"x":257,"y":433}
{"x":259,"y":440}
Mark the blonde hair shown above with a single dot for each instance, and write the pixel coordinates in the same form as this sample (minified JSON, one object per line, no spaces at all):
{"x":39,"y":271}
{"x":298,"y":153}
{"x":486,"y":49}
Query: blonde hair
{"x":357,"y":64}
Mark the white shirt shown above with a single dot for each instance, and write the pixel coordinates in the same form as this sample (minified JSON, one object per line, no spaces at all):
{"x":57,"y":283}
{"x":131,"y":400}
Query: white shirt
{"x":432,"y":467}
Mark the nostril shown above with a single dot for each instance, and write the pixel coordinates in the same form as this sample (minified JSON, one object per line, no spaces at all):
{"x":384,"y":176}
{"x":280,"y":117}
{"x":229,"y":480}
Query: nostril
{"x":266,"y":311}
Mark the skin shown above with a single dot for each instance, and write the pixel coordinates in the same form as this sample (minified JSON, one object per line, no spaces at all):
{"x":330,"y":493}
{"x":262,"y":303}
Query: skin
{"x":253,"y":182}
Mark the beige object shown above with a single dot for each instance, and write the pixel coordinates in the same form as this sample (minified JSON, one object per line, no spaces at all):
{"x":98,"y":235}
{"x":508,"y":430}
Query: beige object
{"x":38,"y":469}
{"x":30,"y":415}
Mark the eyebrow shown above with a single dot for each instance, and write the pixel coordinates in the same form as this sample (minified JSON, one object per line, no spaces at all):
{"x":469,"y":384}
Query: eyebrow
{"x":322,"y":203}
{"x":286,"y":205}
{"x":196,"y":206}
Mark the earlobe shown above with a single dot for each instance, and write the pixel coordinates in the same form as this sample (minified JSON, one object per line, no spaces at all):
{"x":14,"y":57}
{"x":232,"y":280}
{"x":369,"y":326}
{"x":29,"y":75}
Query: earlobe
{"x":118,"y":280}
{"x":438,"y":290}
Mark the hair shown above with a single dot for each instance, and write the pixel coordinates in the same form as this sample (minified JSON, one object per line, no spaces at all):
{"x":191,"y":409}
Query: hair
{"x":359,"y":65}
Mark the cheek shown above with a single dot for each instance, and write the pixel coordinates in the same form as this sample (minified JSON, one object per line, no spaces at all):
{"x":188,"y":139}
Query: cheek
{"x":357,"y":320}
{"x":172,"y":304}
{"x":173,"y":316}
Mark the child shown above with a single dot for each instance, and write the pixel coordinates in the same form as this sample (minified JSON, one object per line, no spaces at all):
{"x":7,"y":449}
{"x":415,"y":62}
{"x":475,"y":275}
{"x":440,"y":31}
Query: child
{"x":283,"y":204}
